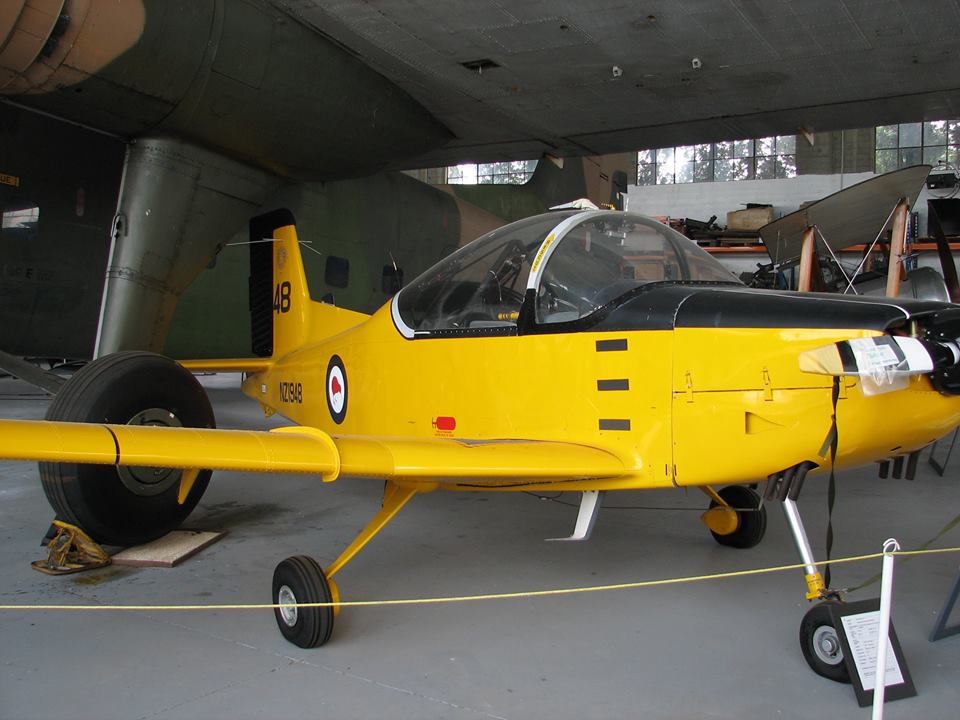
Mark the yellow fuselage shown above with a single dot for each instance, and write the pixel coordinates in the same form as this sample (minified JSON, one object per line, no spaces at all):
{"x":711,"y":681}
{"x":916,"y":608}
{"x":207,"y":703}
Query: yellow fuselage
{"x":690,"y":406}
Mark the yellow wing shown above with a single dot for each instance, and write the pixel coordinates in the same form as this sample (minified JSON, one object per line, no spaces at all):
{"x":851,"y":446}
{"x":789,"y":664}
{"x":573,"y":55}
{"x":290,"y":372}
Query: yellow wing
{"x":488,"y":462}
{"x":300,"y":449}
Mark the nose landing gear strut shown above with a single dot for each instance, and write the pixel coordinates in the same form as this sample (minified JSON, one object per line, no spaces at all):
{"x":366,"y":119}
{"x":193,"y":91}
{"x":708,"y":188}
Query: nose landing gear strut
{"x":819,"y":640}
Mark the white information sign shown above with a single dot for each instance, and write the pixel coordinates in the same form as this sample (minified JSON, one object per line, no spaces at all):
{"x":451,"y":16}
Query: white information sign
{"x":861,"y":631}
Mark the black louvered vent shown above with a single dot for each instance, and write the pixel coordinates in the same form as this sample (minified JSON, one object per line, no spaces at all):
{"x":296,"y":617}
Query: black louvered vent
{"x":261,"y":284}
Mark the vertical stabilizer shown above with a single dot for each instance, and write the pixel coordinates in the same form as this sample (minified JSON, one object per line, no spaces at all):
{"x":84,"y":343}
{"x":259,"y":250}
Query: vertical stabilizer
{"x":279,"y":297}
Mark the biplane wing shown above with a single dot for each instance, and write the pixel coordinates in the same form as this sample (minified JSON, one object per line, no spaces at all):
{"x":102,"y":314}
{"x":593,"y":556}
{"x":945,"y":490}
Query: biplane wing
{"x":848,"y":217}
{"x":301,"y":449}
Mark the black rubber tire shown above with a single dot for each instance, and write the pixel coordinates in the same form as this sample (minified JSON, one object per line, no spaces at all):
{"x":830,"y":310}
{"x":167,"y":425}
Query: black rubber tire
{"x":307,"y":627}
{"x":753,"y":523}
{"x":828,"y":663}
{"x":114,"y":389}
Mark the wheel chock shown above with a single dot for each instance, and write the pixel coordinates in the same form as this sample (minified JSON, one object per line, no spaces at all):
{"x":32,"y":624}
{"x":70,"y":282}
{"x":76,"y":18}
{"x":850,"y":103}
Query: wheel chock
{"x":71,"y":550}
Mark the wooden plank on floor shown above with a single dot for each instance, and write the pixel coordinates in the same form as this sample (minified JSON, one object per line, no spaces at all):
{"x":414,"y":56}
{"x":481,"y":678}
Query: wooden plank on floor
{"x":168,"y":551}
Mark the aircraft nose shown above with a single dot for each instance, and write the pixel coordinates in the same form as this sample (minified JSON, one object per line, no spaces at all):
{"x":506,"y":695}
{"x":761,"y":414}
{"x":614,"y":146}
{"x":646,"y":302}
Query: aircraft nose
{"x":885,"y":357}
{"x":902,"y":391}
{"x":885,"y":419}
{"x":928,"y":345}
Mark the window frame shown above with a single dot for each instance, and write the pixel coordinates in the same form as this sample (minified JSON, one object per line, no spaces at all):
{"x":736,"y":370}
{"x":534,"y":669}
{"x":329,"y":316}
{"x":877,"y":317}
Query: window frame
{"x":723,"y":161}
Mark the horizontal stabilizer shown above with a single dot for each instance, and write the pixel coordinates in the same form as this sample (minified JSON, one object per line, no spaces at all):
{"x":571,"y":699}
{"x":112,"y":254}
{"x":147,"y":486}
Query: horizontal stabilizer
{"x":227,"y":365}
{"x":28,"y":372}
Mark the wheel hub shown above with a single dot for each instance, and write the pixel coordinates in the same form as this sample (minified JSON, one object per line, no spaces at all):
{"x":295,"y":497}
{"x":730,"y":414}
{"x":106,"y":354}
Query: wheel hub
{"x":826,"y":645}
{"x":288,"y":607}
{"x":149,"y":481}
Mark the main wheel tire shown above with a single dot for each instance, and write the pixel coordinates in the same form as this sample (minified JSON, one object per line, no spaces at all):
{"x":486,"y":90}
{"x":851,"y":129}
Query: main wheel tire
{"x":820,"y":644}
{"x":300,"y":579}
{"x":753,"y":523}
{"x":126,"y":505}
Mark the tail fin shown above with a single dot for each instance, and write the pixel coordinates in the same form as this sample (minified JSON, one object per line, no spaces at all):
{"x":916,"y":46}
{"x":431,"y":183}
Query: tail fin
{"x":601,"y":179}
{"x":283,"y":318}
{"x":280,"y":303}
{"x":282,"y":315}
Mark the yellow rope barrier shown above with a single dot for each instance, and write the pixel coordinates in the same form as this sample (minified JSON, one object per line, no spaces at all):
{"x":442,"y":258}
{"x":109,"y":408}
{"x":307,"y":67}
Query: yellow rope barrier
{"x":474,"y":598}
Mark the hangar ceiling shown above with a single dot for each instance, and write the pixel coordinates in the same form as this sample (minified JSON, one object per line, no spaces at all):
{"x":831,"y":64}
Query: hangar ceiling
{"x":548,"y":83}
{"x":327,"y":89}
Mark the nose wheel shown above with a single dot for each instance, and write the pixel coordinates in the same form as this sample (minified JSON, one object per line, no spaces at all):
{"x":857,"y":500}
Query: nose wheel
{"x":299,"y":580}
{"x":819,"y":639}
{"x":820,"y":644}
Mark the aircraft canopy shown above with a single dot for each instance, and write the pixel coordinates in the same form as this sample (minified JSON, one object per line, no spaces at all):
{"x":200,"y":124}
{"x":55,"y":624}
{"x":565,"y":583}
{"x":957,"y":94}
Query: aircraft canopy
{"x":560,"y":267}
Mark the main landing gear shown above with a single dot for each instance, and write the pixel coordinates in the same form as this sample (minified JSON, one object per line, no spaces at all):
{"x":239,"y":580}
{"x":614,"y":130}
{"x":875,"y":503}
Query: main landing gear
{"x":119,"y":505}
{"x":306,"y":595}
{"x":736,"y":517}
{"x":307,"y":599}
{"x":296,"y":580}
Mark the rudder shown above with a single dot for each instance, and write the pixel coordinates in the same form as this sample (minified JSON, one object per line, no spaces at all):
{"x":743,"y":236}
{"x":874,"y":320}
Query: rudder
{"x":279,"y":295}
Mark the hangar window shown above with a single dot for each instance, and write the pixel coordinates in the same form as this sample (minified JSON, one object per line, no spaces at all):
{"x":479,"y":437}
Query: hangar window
{"x":934,"y":142}
{"x":760,"y":159}
{"x":20,"y":222}
{"x":776,"y":157}
{"x":337,"y":271}
{"x":513,"y":172}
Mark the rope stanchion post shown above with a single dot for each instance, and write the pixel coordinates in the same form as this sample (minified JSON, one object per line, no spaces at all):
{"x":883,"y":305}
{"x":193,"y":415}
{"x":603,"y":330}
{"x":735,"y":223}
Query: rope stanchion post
{"x":883,"y":631}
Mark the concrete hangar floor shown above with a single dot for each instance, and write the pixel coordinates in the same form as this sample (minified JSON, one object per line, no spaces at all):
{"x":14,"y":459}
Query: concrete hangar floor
{"x":717,"y":649}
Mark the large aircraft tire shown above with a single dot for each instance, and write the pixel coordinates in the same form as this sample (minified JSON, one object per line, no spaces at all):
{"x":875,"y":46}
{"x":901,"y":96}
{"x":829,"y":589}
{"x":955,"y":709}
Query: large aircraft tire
{"x":126,"y":505}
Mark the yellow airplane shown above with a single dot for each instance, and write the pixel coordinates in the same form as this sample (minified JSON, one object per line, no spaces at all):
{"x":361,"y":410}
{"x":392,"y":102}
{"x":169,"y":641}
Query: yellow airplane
{"x":581,"y":350}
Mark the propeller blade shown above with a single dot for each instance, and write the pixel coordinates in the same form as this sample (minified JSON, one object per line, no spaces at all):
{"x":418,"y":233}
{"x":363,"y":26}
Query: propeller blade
{"x":885,"y":355}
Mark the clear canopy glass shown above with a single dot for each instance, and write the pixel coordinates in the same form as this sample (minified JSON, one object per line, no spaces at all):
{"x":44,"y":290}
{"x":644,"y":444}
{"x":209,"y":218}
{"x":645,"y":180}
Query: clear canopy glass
{"x":582,"y":260}
{"x":481,"y":285}
{"x":609,"y":254}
